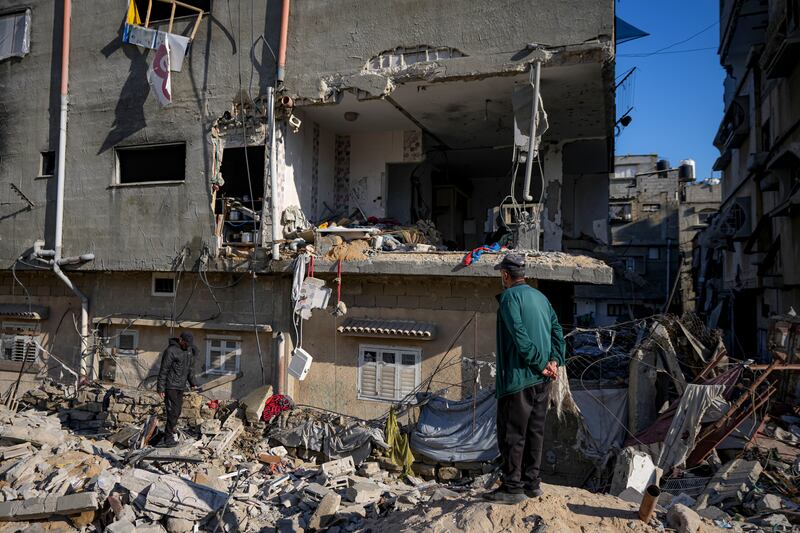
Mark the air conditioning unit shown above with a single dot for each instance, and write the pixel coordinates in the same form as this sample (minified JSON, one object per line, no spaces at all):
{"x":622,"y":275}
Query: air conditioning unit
{"x":300,"y":364}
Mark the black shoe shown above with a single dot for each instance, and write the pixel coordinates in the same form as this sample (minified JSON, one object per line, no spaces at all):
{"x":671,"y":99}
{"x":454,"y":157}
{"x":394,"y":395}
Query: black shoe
{"x":502,"y":496}
{"x":533,"y":492}
{"x":168,"y":443}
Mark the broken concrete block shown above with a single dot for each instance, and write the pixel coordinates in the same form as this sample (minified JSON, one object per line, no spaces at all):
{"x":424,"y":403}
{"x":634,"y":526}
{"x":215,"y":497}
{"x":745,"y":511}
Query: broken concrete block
{"x":730,"y":484}
{"x":210,"y":427}
{"x":631,"y":495}
{"x":339,"y":467}
{"x":326,"y":511}
{"x":363,"y":492}
{"x":369,"y":469}
{"x":442,"y":493}
{"x":633,"y":469}
{"x":449,"y":473}
{"x":683,"y":519}
{"x":36,"y":508}
{"x":769,"y":502}
{"x":315,"y":492}
{"x":254,"y":401}
{"x":714,"y":513}
{"x":424,"y":470}
{"x":180,"y":498}
{"x":120,"y":526}
{"x":179,"y":525}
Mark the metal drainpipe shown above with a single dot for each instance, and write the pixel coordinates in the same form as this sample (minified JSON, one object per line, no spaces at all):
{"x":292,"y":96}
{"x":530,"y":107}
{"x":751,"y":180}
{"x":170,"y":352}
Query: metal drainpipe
{"x":283,"y":38}
{"x":60,"y":171}
{"x":535,"y":75}
{"x":273,"y":175}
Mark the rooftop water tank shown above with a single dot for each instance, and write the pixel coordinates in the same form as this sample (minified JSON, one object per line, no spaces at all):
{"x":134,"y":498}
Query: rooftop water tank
{"x":686,"y":170}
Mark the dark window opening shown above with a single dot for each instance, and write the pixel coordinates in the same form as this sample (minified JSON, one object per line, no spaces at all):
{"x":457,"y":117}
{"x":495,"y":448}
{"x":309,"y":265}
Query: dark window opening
{"x":48,"y":164}
{"x":149,"y":164}
{"x":162,"y":10}
{"x":236,"y":168}
{"x":163,"y":285}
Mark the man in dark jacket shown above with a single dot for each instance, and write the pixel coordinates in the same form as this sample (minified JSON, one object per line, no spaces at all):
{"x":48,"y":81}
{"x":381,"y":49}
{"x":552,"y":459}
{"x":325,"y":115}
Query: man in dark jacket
{"x":177,"y":369}
{"x":530,"y":348}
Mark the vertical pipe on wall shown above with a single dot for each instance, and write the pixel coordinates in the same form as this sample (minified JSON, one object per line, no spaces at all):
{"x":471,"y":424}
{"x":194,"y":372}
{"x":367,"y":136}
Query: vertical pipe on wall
{"x":283,"y":38}
{"x":86,"y":369}
{"x":273,"y":175}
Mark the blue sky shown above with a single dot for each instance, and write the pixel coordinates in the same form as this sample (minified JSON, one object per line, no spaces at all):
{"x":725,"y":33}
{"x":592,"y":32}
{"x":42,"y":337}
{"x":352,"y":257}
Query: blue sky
{"x":677,"y":94}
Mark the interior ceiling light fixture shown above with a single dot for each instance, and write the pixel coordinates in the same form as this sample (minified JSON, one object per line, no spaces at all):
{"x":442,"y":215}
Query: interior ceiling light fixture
{"x":350,"y":116}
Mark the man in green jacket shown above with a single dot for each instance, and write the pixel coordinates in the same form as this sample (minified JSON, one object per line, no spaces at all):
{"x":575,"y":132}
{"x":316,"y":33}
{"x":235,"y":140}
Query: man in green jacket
{"x":530,"y":348}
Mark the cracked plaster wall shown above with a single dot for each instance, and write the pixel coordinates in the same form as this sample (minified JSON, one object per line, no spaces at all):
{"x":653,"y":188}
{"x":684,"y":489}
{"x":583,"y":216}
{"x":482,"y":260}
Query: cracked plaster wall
{"x":329,"y":46}
{"x":128,"y":228}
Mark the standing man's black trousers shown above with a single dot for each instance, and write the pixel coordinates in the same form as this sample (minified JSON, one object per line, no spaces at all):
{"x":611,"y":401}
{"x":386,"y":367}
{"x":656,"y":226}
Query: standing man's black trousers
{"x":520,"y":434}
{"x":173,"y":400}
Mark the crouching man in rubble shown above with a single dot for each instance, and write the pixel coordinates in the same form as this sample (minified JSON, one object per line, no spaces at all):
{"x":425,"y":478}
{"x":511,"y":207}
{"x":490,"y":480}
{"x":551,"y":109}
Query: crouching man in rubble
{"x":530,"y":347}
{"x":177,"y":369}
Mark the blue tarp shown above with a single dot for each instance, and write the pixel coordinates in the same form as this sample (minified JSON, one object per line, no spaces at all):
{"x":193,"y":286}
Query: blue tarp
{"x":445,"y":430}
{"x":627,"y":32}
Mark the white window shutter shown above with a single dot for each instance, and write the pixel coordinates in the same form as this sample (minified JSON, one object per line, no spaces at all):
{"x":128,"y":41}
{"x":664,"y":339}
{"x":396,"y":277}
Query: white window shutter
{"x":408,"y":380}
{"x":388,"y":381}
{"x":369,"y":379}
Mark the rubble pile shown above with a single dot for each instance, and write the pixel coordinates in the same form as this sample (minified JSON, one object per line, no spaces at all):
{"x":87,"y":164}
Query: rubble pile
{"x":227,"y":474}
{"x":717,"y":448}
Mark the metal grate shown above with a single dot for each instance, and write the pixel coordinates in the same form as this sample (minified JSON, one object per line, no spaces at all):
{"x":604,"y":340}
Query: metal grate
{"x":693,"y":486}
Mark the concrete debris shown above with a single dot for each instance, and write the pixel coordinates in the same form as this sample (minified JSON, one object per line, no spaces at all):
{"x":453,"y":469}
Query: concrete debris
{"x":731,"y":484}
{"x":633,"y":469}
{"x":769,"y":502}
{"x":683,"y":519}
{"x":363,"y":492}
{"x":233,"y":473}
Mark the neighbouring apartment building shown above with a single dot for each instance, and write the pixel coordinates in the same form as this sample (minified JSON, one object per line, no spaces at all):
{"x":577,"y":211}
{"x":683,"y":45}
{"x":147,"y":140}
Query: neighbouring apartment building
{"x":643,"y":205}
{"x":752,"y":243}
{"x":399,"y":111}
{"x":699,"y":204}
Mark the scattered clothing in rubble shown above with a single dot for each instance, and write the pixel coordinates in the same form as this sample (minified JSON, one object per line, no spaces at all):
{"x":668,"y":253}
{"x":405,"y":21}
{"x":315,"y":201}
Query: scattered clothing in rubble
{"x":475,"y":255}
{"x":275,"y":405}
{"x":399,"y":449}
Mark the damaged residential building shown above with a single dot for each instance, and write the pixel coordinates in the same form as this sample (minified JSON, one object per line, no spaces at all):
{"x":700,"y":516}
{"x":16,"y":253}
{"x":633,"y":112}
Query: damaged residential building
{"x":645,"y":198}
{"x":747,"y":263}
{"x":186,"y":187}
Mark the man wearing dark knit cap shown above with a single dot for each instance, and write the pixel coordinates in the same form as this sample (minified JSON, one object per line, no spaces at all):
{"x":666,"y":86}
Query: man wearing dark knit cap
{"x":530,"y":348}
{"x":177,"y":370}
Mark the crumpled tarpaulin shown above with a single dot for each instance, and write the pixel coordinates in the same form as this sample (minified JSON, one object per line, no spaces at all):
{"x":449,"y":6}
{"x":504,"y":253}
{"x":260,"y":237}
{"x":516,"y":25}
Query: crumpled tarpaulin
{"x":319,"y":436}
{"x":399,"y":449}
{"x":699,"y":404}
{"x":657,"y":431}
{"x":275,"y":405}
{"x":445,"y":432}
{"x":604,"y":412}
{"x":475,"y":255}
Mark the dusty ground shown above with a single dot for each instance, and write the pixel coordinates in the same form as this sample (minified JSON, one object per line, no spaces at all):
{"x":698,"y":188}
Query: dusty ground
{"x":564,"y":509}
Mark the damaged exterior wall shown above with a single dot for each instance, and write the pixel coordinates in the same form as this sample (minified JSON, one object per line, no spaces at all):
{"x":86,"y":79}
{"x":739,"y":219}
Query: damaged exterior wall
{"x":322,"y":53}
{"x":644,"y":244}
{"x":332,"y":382}
{"x":699,"y":204}
{"x":751,"y":241}
{"x":134,"y":230}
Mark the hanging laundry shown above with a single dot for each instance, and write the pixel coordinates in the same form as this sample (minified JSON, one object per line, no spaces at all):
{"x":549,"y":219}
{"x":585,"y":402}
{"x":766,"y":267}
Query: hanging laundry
{"x":159,"y":77}
{"x":476,"y":254}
